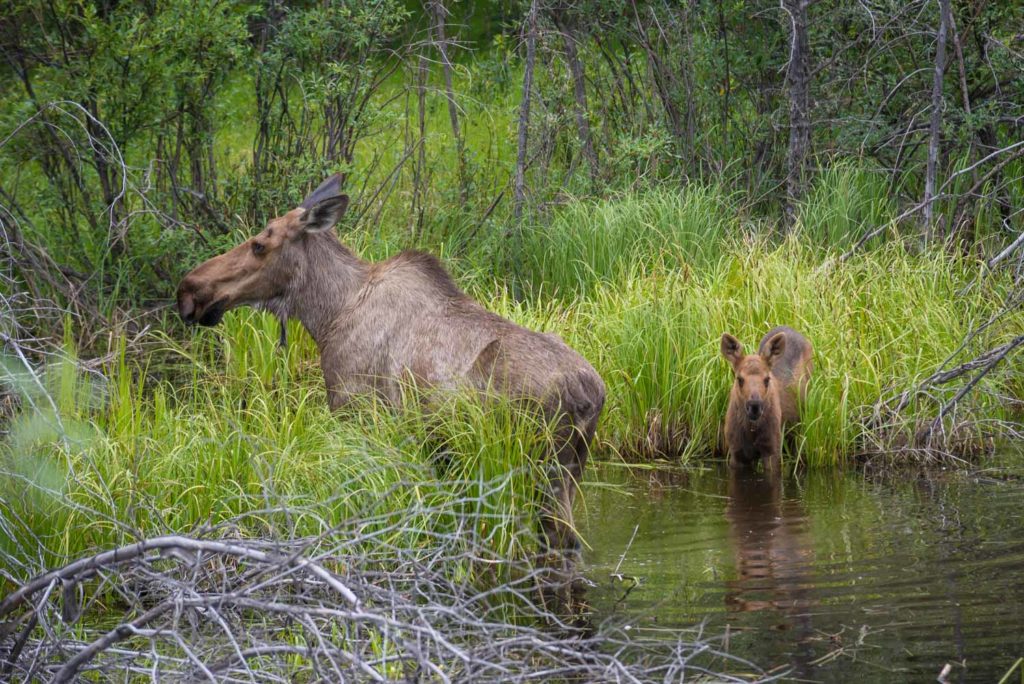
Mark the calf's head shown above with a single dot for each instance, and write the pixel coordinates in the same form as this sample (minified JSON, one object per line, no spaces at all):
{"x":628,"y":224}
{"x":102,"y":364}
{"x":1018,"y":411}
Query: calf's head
{"x":753,"y":387}
{"x":263,"y":268}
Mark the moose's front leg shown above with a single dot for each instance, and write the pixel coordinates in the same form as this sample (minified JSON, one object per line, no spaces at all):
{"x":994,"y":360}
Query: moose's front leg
{"x":338,"y":399}
{"x":347,"y":379}
{"x":342,"y":391}
{"x":558,"y":534}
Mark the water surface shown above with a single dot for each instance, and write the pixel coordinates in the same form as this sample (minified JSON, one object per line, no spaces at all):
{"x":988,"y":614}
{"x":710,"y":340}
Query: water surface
{"x":828,"y":576}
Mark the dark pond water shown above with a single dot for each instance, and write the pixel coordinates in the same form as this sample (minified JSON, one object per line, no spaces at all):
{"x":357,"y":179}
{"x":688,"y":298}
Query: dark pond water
{"x":828,"y":576}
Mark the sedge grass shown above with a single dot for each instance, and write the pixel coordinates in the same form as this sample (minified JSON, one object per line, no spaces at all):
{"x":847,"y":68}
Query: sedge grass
{"x":881,"y":321}
{"x":846,"y":202}
{"x":591,"y":243}
{"x":247,"y":436}
{"x":241,"y":425}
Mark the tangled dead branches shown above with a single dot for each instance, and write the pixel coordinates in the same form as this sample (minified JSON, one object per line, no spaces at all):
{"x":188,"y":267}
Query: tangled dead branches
{"x":978,"y":369}
{"x":370,"y":599}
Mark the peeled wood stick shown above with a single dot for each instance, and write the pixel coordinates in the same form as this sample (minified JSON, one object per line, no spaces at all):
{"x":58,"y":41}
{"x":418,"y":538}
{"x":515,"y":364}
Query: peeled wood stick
{"x":86,"y":567}
{"x":995,"y":358}
{"x":1006,"y":252}
{"x":119,"y":633}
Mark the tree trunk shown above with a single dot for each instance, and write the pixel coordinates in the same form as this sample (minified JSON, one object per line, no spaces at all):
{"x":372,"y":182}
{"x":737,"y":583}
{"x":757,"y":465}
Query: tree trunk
{"x":420,"y":168}
{"x":798,"y":81}
{"x":519,"y":191}
{"x":440,"y":12}
{"x":580,"y":95}
{"x":686,"y":69}
{"x":662,"y":79}
{"x":723,"y":35}
{"x":935,"y":128}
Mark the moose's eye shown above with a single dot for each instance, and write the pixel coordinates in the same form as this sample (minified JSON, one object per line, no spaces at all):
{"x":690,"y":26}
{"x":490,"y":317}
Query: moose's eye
{"x":766,"y":381}
{"x":258,"y":248}
{"x":739,"y":380}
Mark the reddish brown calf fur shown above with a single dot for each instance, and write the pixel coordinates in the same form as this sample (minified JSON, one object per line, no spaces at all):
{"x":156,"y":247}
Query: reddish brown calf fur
{"x":765,"y":396}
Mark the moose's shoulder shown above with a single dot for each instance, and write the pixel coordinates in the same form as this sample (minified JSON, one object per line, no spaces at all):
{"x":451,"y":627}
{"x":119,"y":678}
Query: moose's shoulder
{"x":421,"y":266}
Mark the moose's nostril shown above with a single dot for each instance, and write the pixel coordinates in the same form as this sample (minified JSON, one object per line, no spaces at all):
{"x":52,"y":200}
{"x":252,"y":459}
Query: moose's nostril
{"x":186,"y":307}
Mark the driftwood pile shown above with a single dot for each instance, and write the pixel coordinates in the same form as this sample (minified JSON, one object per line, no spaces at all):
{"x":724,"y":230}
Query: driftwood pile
{"x":367,"y":600}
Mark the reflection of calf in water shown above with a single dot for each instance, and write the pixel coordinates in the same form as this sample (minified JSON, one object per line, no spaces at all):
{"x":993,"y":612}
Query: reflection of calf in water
{"x":774,"y":554}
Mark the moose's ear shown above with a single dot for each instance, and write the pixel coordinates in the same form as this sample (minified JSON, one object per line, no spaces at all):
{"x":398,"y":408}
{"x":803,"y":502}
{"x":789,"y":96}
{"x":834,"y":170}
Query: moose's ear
{"x":732,"y":350}
{"x":774,"y":349}
{"x":323,"y":215}
{"x":326,"y":190}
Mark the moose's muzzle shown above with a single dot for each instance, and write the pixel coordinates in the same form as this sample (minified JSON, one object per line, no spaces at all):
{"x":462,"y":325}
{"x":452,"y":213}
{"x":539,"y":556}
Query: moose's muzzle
{"x":194,"y":311}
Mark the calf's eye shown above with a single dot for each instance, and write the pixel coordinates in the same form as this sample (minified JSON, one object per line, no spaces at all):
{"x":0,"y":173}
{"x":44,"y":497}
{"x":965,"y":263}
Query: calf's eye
{"x":766,"y":381}
{"x":739,"y":380}
{"x":258,"y":248}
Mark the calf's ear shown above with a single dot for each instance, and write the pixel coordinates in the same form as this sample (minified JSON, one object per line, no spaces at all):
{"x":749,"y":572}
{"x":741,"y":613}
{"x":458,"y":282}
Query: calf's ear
{"x":731,"y":348}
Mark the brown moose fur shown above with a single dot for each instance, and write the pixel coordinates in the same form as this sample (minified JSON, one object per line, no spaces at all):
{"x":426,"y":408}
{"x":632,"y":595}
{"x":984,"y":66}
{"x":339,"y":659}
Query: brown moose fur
{"x":380,"y":324}
{"x":765,"y":396}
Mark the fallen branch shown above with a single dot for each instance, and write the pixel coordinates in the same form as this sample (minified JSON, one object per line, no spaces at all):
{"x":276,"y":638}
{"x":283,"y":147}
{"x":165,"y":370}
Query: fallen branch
{"x":87,"y":567}
{"x":433,"y":605}
{"x":990,"y":360}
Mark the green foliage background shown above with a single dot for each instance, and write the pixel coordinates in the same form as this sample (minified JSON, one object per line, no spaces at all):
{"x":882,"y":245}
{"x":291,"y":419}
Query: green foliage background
{"x":139,"y":138}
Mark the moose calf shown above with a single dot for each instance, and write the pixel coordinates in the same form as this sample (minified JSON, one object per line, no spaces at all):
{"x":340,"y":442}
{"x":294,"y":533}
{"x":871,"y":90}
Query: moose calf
{"x":764,"y":398}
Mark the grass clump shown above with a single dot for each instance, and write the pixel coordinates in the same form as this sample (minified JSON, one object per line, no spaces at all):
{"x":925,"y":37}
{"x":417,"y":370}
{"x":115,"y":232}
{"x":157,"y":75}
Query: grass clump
{"x":878,"y":322}
{"x":589,"y":243}
{"x":245,"y":435}
{"x":846,"y":201}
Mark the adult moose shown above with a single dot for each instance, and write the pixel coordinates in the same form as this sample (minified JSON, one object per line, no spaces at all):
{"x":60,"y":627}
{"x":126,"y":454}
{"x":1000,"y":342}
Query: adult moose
{"x":380,"y":324}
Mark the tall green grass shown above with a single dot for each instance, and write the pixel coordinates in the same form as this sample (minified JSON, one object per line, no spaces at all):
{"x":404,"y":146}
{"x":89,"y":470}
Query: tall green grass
{"x":877,"y":323}
{"x":245,"y":436}
{"x":643,"y":286}
{"x":598,"y":242}
{"x":845,"y":202}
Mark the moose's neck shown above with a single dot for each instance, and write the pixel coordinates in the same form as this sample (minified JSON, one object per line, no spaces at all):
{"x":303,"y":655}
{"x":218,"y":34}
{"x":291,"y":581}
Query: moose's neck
{"x":331,"y":278}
